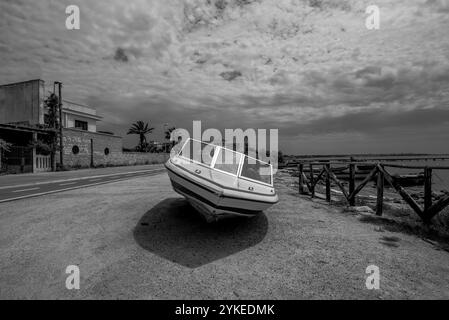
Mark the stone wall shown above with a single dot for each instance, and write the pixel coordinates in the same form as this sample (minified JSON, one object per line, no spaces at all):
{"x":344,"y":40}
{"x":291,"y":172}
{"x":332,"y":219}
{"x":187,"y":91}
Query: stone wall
{"x":137,"y":158}
{"x":107,"y":150}
{"x":83,"y":148}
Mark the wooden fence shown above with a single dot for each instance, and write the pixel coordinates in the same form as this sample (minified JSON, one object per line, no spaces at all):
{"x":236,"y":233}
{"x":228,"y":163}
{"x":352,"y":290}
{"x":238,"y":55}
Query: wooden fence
{"x":380,"y":174}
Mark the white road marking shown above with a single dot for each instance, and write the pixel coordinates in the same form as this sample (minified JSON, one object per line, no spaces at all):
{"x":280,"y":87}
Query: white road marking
{"x":24,"y":190}
{"x":93,"y":180}
{"x":67,"y":184}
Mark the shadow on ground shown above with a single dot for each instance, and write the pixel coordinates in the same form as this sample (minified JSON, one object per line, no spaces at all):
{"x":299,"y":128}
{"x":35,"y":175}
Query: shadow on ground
{"x":175,"y":231}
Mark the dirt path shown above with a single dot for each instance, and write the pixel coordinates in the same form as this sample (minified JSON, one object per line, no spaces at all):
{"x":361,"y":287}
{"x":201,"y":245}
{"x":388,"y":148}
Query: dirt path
{"x":138,"y":239}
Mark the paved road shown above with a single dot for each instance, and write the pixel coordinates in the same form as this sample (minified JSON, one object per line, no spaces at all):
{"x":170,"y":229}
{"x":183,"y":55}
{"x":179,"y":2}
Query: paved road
{"x":16,"y":187}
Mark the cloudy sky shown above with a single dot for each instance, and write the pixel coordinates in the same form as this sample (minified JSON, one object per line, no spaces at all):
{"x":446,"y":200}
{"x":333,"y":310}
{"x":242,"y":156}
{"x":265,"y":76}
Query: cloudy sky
{"x":309,"y":68}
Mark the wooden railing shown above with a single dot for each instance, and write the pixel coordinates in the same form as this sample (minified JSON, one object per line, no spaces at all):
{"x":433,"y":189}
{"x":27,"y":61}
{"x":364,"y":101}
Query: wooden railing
{"x":381,"y":174}
{"x":436,"y":157}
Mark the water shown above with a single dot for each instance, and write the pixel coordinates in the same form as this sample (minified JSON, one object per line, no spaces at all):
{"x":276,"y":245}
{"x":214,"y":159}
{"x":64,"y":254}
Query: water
{"x":440,"y":178}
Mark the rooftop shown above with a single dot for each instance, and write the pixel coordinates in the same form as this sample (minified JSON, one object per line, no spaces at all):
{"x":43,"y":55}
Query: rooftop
{"x":79,"y":109}
{"x":22,"y":82}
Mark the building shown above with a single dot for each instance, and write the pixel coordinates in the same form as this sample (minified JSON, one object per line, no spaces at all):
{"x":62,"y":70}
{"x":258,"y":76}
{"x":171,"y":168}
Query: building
{"x":22,"y":103}
{"x":78,"y":116}
{"x":23,"y":122}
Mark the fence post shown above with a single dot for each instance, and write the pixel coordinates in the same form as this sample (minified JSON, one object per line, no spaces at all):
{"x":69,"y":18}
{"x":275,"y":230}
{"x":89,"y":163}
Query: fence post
{"x":300,"y":178}
{"x":351,"y":183}
{"x":328,"y":183}
{"x":312,"y":185}
{"x":427,"y":189}
{"x":380,"y":193}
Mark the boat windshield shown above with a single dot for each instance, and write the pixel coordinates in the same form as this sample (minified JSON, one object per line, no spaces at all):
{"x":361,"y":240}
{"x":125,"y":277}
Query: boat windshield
{"x":256,"y":170}
{"x":228,"y":161}
{"x":197,"y":151}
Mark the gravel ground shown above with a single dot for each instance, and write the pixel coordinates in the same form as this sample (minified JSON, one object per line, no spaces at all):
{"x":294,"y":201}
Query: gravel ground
{"x":139,"y":239}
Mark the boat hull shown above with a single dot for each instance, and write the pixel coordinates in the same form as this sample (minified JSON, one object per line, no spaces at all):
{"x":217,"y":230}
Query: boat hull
{"x":215,"y":202}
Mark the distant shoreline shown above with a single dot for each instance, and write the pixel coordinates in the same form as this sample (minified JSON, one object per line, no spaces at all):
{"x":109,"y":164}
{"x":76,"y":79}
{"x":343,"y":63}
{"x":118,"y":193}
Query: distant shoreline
{"x":368,"y":155}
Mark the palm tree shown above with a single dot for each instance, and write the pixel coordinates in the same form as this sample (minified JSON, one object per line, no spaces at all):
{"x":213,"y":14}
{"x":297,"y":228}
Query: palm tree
{"x":140,"y":128}
{"x":168,"y":133}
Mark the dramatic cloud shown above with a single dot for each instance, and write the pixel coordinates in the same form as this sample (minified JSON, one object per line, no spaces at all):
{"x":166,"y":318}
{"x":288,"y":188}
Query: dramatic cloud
{"x":309,"y":68}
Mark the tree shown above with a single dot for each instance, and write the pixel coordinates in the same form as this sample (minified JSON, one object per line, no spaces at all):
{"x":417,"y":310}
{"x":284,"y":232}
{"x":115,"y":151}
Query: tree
{"x":42,"y":147}
{"x":51,"y":103}
{"x":4,"y":146}
{"x":168,"y":133}
{"x":52,"y":121}
{"x":280,"y":157}
{"x":141,"y":129}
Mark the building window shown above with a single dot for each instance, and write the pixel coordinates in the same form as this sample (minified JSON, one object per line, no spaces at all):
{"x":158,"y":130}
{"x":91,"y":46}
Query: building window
{"x":75,"y":150}
{"x":106,"y":151}
{"x":81,"y":125}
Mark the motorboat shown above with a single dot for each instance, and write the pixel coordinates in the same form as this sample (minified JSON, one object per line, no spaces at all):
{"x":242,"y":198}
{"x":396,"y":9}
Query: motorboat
{"x":220,"y":182}
{"x":365,"y":167}
{"x":409,"y":180}
{"x":406,"y":180}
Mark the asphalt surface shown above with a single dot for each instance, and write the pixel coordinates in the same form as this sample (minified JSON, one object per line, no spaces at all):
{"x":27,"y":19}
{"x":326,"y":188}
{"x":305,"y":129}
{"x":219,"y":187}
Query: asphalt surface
{"x":16,"y":187}
{"x":138,"y":239}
